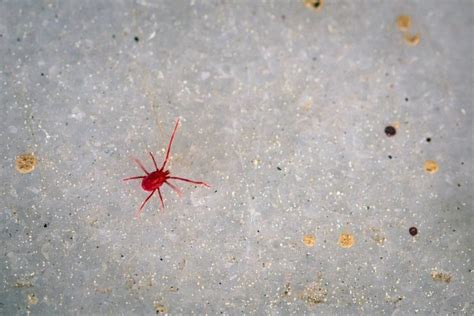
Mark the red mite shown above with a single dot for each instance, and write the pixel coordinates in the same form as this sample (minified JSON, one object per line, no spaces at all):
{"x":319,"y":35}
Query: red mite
{"x":154,"y":180}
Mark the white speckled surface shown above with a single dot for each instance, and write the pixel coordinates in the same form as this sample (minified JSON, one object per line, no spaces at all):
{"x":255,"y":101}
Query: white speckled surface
{"x":283,"y":112}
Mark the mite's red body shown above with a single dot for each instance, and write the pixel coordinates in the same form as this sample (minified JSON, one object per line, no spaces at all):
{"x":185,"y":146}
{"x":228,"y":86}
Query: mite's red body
{"x":152,"y":181}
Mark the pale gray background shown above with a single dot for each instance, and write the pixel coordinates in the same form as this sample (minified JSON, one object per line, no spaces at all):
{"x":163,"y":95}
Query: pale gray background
{"x":259,"y":85}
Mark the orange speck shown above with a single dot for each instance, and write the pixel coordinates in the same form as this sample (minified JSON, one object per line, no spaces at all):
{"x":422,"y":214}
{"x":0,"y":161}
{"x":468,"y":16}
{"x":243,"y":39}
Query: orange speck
{"x":431,"y":166}
{"x":25,"y":163}
{"x":309,"y":240}
{"x":411,"y":40}
{"x":404,"y":22}
{"x":346,"y":240}
{"x":314,"y":4}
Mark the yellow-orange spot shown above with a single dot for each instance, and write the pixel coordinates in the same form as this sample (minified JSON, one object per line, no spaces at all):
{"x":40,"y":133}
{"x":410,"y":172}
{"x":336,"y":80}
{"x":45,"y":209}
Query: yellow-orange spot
{"x":314,"y":4}
{"x":25,"y":163}
{"x":404,"y":23}
{"x":411,"y":40}
{"x":346,"y":240}
{"x":431,"y":166}
{"x":441,"y":276}
{"x":309,"y":240}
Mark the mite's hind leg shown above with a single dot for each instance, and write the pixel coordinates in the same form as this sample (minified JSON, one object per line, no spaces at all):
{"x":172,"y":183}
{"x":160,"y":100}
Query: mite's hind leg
{"x":154,"y":161}
{"x":161,"y":200}
{"x":133,"y":178}
{"x":169,"y":145}
{"x":190,"y":181}
{"x":139,"y":163}
{"x":175,"y":188}
{"x":137,"y":214}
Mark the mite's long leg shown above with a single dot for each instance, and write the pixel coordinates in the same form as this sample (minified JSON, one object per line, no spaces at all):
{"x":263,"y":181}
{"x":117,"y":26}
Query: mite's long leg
{"x":138,"y":162}
{"x":175,"y":188}
{"x":154,"y":162}
{"x":137,"y":214}
{"x":190,"y":181}
{"x":161,"y":199}
{"x":133,"y":178}
{"x":169,"y":145}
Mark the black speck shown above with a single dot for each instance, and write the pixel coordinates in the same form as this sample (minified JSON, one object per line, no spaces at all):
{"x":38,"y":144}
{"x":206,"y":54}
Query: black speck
{"x":137,"y":39}
{"x":113,"y":36}
{"x":279,"y":168}
{"x":18,"y":39}
{"x":389,"y":156}
{"x":406,"y":99}
{"x":390,"y":130}
{"x":316,"y":4}
{"x":97,"y":247}
{"x":161,"y":259}
{"x":413,"y":231}
{"x":121,"y":256}
{"x":428,"y":139}
{"x":459,"y":185}
{"x":45,"y":225}
{"x":283,"y":17}
{"x":42,"y":74}
{"x":215,"y":191}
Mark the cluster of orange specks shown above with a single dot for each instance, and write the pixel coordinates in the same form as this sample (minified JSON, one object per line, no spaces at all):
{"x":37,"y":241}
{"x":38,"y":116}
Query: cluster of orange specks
{"x":346,"y":240}
{"x":404,"y":24}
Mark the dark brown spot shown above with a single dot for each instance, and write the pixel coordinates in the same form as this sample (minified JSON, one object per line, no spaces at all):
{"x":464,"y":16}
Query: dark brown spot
{"x":413,"y":231}
{"x":390,"y":130}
